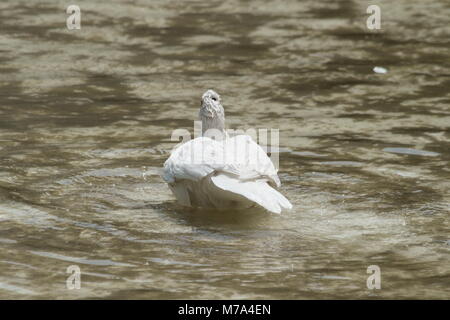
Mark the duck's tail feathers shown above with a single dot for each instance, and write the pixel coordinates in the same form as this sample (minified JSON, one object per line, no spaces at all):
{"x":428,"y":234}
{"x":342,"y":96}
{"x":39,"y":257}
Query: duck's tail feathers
{"x":259,"y":192}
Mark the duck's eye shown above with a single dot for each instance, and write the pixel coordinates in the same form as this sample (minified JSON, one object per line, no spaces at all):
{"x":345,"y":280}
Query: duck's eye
{"x":214,"y":98}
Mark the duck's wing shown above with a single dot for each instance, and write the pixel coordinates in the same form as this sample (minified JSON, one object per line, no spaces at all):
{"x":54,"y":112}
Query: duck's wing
{"x":188,"y":166}
{"x":239,"y":156}
{"x":236,"y":165}
{"x":248,"y":172}
{"x":193,"y":160}
{"x":246,"y":160}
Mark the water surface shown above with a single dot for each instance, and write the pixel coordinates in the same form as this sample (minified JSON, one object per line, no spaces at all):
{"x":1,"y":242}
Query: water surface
{"x":86,"y":118}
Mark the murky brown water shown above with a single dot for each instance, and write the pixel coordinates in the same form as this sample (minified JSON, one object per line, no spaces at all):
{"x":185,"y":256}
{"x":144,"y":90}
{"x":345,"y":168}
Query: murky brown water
{"x":85,"y":124}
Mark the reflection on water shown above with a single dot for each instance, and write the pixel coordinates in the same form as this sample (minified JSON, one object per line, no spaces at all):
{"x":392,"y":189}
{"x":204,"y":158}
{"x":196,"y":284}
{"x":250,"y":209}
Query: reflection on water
{"x":86,"y":118}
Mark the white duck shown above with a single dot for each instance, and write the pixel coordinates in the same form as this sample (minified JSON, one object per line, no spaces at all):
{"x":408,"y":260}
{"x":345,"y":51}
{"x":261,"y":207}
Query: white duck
{"x":224,"y":172}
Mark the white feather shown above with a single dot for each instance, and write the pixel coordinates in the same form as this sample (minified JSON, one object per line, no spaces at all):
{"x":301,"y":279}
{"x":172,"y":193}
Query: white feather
{"x":232,"y":173}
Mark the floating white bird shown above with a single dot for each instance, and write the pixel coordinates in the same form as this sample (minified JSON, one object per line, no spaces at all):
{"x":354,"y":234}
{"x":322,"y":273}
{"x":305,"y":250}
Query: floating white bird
{"x":224,"y":172}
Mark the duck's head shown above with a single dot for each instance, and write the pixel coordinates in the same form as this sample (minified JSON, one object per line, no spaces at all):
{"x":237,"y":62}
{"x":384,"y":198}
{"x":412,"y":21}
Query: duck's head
{"x":211,"y":112}
{"x":211,"y":105}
